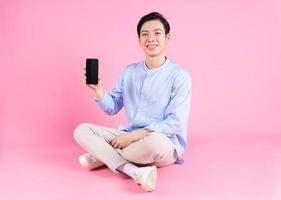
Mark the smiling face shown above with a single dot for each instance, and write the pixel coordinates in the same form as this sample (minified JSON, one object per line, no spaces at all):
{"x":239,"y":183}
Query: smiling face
{"x":153,"y":38}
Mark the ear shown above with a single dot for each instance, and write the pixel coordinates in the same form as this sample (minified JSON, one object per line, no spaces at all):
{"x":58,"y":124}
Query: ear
{"x":167,"y":37}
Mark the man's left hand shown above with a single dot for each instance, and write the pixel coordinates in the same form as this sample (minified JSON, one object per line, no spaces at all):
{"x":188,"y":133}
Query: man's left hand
{"x":123,"y":140}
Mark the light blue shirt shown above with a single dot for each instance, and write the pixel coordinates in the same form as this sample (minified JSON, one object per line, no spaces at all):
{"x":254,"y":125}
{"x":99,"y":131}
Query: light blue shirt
{"x":156,"y":99}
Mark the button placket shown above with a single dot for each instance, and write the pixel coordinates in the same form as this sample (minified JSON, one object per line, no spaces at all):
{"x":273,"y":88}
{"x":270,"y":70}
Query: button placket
{"x":142,"y":98}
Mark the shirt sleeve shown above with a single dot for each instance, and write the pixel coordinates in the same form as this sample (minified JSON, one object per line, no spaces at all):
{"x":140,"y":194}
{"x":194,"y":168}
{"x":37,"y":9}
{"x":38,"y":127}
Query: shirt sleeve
{"x":112,"y":102}
{"x":177,"y":111}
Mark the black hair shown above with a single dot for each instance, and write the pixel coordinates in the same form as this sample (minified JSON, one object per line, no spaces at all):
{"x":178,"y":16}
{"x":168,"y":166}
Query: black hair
{"x":154,"y":16}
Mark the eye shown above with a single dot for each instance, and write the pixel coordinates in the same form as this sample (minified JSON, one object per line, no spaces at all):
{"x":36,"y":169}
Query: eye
{"x":158,"y":33}
{"x":144,"y":34}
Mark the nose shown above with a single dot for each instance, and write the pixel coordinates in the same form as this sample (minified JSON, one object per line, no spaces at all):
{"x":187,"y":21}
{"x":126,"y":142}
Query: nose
{"x":151,"y":37}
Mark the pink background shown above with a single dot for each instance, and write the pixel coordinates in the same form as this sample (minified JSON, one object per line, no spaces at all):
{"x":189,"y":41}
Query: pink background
{"x":232,"y":49}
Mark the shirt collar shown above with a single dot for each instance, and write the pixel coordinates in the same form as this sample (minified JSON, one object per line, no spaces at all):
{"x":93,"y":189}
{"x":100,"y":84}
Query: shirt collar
{"x":160,"y":68}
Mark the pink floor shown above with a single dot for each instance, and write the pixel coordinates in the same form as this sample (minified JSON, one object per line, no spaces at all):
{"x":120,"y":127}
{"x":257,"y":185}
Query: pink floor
{"x":234,"y":168}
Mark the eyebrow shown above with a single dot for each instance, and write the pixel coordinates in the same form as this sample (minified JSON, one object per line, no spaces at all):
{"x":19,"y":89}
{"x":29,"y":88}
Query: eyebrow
{"x":157,"y":29}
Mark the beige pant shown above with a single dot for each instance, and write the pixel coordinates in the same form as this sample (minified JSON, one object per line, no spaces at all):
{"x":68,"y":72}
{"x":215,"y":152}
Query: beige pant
{"x":154,"y":149}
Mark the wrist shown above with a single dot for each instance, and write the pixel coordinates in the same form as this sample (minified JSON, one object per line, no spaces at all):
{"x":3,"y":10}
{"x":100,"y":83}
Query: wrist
{"x":135,"y":136}
{"x":99,"y":94}
{"x":140,"y":134}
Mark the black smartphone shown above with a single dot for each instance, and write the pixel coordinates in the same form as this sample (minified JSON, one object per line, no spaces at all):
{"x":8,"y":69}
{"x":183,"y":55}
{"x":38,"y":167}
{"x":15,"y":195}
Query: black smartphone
{"x":92,"y":71}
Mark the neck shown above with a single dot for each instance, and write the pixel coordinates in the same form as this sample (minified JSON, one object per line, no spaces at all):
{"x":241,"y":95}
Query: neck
{"x":154,"y":62}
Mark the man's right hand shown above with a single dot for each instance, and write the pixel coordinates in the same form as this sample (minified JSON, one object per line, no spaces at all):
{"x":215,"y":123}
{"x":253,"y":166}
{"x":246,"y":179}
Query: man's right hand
{"x":98,"y":90}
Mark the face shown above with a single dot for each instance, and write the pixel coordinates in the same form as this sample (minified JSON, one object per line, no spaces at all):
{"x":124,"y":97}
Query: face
{"x":153,"y":39}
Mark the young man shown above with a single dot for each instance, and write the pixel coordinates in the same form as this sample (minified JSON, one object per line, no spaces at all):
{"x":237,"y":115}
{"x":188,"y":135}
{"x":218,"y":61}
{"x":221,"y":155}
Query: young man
{"x":156,"y":95}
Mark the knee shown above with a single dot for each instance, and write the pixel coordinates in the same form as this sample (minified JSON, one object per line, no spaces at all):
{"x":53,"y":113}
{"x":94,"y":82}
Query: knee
{"x":152,"y":148}
{"x":148,"y":152}
{"x":158,"y":149}
{"x":80,"y":130}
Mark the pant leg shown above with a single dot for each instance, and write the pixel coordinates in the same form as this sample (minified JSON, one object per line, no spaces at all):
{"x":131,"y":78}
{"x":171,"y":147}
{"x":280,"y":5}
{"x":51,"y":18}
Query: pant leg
{"x":96,"y":140}
{"x":156,"y":149}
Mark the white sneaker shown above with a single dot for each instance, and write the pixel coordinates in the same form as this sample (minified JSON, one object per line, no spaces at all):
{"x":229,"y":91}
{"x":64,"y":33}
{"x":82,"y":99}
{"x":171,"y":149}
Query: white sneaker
{"x":146,"y":177}
{"x":88,"y":162}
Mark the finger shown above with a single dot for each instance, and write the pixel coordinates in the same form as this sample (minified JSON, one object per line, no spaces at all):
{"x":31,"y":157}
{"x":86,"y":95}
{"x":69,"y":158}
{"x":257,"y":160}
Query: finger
{"x":115,"y":146}
{"x":91,"y":86}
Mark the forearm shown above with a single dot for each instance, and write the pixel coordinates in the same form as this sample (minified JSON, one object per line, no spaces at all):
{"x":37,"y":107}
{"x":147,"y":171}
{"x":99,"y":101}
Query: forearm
{"x":124,"y":140}
{"x":139,"y":134}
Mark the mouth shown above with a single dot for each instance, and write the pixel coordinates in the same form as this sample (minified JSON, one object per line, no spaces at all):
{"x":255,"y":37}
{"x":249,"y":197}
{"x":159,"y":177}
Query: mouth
{"x":151,"y":46}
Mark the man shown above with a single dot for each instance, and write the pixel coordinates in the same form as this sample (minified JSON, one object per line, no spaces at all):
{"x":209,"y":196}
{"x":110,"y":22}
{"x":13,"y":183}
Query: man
{"x":156,"y":95}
